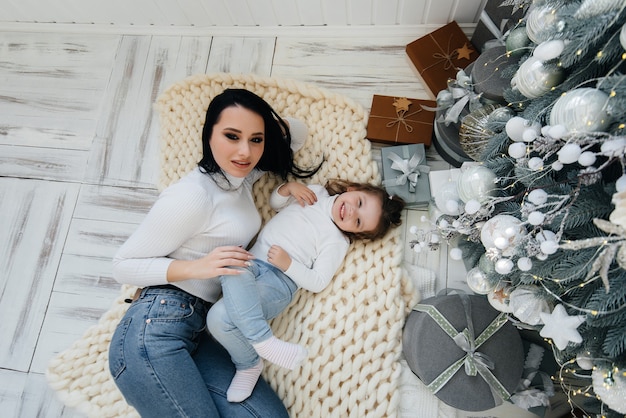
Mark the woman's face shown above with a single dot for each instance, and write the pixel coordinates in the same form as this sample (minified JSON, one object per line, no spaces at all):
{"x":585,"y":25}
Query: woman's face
{"x":238,"y":140}
{"x":356,"y":211}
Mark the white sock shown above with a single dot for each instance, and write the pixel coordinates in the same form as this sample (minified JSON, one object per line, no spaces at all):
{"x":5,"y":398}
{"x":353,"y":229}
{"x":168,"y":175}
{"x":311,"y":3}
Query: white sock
{"x":243,"y":383}
{"x":280,"y":352}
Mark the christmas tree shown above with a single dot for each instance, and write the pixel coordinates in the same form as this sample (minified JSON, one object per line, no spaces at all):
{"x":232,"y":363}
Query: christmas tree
{"x":540,"y":218}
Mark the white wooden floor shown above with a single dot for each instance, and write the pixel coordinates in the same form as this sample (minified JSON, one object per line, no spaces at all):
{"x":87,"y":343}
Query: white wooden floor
{"x":78,"y":166}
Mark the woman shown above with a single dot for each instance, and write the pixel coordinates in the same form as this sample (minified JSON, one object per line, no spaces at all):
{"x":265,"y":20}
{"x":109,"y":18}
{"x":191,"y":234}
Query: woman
{"x":161,"y":357}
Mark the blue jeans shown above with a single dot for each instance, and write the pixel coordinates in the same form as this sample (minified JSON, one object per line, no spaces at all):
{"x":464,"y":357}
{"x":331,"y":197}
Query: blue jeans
{"x":251,"y":298}
{"x":167,"y":365}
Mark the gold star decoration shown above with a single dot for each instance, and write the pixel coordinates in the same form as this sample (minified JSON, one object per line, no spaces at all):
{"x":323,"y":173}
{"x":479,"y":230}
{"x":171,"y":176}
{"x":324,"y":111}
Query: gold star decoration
{"x":401,"y":104}
{"x":464,"y":52}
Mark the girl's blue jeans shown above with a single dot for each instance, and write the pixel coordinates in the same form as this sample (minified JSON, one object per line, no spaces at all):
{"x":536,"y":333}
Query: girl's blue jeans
{"x":250,"y":299}
{"x":167,"y":365}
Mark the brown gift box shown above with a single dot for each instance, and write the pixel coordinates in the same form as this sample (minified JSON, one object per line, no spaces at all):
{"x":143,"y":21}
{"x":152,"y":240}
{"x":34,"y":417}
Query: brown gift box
{"x":398,"y":120}
{"x":439,"y":55}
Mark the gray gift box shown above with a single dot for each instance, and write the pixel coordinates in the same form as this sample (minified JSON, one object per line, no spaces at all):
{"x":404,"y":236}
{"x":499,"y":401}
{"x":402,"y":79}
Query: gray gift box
{"x":405,"y":173}
{"x":496,"y":351}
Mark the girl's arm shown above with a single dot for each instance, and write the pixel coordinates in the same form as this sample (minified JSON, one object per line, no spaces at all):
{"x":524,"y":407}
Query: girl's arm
{"x":317,"y":278}
{"x":291,"y":191}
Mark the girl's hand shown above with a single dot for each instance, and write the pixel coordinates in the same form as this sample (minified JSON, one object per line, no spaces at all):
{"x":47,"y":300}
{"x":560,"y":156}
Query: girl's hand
{"x":218,"y":262}
{"x":278,"y":257}
{"x":302,"y":194}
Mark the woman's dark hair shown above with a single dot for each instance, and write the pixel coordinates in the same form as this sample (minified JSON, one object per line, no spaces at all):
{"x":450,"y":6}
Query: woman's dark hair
{"x":277,"y":156}
{"x":392,"y":207}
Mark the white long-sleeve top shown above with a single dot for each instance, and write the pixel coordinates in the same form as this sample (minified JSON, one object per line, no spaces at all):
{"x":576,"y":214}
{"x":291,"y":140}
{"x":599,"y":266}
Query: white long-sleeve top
{"x":310,"y":237}
{"x":189,"y":219}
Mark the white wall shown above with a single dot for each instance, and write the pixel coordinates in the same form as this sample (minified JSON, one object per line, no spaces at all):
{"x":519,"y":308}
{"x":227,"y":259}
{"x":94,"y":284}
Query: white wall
{"x":244,"y":13}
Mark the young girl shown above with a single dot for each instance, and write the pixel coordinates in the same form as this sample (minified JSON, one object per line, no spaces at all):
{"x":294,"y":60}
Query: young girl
{"x":302,"y":246}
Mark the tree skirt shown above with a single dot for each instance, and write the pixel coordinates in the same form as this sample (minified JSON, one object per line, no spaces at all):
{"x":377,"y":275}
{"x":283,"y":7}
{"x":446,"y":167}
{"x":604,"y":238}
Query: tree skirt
{"x":353,"y":329}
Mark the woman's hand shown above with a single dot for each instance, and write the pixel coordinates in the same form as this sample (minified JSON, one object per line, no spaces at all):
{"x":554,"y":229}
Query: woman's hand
{"x":218,"y":262}
{"x":302,"y":194}
{"x":278,"y":257}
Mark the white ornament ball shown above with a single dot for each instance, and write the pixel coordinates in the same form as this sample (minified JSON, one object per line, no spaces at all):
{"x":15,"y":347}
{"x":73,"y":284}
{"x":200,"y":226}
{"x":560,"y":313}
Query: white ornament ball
{"x":496,"y":227}
{"x":477,"y":281}
{"x":622,"y":36}
{"x":587,"y":158}
{"x":610,"y":386}
{"x":456,"y":254}
{"x":529,"y":135}
{"x":476,"y":182}
{"x":501,"y":243}
{"x":536,"y":218}
{"x":557,"y":131}
{"x":504,"y":266}
{"x":515,"y":128}
{"x":446,"y":194}
{"x":548,"y":50}
{"x":557,"y":166}
{"x":613,"y":147}
{"x":517,"y":150}
{"x":584,"y":361}
{"x":581,"y":110}
{"x":538,"y":196}
{"x":569,"y":153}
{"x":472,"y":206}
{"x":535,"y":164}
{"x":620,"y":184}
{"x":549,"y":247}
{"x":524,"y":264}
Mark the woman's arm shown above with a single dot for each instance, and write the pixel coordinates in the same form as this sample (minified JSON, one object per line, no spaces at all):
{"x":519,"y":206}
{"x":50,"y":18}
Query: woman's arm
{"x":180,"y":213}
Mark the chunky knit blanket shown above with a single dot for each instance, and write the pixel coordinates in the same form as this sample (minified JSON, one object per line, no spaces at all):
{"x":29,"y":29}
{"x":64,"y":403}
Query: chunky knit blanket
{"x":352,"y":329}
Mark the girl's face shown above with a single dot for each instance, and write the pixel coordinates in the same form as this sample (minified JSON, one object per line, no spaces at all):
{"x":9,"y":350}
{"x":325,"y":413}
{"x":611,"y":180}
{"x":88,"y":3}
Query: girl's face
{"x":238,"y":140}
{"x":357,"y":211}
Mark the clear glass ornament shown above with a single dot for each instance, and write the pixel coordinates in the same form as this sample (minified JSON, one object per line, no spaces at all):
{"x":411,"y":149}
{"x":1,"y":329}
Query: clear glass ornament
{"x":473,"y":133}
{"x":581,"y":110}
{"x":497,"y":227}
{"x":538,"y":20}
{"x":534,"y":78}
{"x":477,"y":281}
{"x":476,"y":182}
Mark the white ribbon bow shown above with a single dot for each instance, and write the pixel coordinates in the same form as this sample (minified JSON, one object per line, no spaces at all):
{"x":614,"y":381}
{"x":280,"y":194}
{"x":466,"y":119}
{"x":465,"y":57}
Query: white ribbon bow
{"x":410,"y":169}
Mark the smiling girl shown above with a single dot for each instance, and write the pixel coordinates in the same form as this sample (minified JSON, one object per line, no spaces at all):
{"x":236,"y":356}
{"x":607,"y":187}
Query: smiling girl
{"x":303,"y":246}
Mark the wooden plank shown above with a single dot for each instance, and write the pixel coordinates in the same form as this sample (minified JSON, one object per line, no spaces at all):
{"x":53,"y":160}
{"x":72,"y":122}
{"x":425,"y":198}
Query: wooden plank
{"x":114,"y":204}
{"x":42,"y":163}
{"x":126,"y":148}
{"x":83,"y":292}
{"x":350,"y":66}
{"x":241,"y":55}
{"x":28,"y":395}
{"x":35,"y":221}
{"x":52,"y":87}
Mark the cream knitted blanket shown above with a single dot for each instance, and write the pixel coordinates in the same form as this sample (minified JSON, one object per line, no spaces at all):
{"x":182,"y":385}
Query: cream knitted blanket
{"x":352,"y":329}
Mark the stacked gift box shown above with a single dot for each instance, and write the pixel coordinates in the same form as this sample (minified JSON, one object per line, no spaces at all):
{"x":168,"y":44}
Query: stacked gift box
{"x":439,"y":56}
{"x":405,"y":126}
{"x":473,"y":358}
